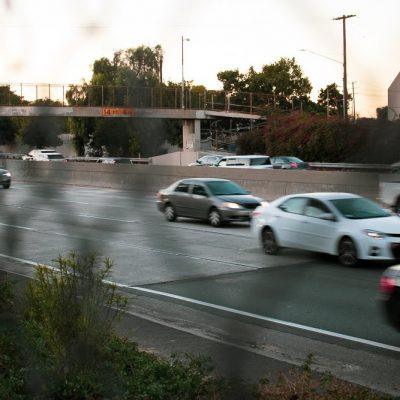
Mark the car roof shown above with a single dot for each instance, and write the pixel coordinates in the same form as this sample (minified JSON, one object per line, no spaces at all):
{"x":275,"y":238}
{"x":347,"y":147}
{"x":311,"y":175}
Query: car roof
{"x":203,"y":180}
{"x":326,"y":195}
{"x":250,"y":156}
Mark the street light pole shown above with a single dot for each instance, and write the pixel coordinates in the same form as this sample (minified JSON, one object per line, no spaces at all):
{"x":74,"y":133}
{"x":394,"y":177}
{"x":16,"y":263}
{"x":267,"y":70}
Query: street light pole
{"x":183,"y":77}
{"x":343,"y":18}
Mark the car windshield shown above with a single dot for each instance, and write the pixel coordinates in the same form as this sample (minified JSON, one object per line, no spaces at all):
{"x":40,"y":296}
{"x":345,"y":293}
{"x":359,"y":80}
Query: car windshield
{"x":359,"y":208}
{"x":220,"y":188}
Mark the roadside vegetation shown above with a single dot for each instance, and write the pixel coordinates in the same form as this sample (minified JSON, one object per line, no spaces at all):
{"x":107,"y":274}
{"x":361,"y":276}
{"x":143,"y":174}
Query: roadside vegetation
{"x":57,"y":341}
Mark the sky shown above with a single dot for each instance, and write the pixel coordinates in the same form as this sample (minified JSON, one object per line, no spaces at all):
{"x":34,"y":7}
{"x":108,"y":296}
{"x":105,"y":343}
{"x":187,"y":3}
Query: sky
{"x":57,"y":41}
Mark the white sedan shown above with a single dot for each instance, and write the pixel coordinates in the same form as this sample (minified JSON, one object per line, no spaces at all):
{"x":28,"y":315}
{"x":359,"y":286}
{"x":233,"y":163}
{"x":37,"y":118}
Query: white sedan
{"x":346,"y":225}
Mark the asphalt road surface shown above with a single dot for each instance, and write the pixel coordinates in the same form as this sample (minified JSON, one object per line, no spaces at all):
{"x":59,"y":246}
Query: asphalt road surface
{"x":192,"y":265}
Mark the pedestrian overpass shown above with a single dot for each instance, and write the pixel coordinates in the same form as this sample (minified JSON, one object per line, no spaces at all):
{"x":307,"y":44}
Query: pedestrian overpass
{"x":189,"y":106}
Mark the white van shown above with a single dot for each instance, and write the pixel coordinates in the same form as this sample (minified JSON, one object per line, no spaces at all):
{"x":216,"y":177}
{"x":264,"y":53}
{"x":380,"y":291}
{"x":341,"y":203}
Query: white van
{"x":260,"y":162}
{"x":44,"y":155}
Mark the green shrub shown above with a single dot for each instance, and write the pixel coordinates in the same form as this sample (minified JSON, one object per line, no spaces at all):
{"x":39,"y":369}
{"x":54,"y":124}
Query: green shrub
{"x":12,"y":374}
{"x":146,"y":376}
{"x":69,"y":315}
{"x":6,"y":293}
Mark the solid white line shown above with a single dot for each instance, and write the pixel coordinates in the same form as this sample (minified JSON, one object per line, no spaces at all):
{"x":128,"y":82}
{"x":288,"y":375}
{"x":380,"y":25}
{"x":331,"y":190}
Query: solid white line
{"x":268,"y":319}
{"x":18,"y":227}
{"x":238,"y":312}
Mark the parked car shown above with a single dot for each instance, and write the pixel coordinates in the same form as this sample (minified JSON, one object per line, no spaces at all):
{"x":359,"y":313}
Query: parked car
{"x":349,"y":226}
{"x":389,"y":295}
{"x":5,"y":178}
{"x":207,"y":160}
{"x":252,"y":161}
{"x":43,"y":155}
{"x":288,"y":162}
{"x":217,"y":200}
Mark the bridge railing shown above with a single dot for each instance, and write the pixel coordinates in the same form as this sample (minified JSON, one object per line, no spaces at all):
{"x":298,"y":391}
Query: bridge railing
{"x":127,"y":96}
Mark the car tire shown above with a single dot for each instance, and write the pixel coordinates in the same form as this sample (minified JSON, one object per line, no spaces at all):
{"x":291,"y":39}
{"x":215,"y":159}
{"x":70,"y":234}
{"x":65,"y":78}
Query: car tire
{"x":392,"y":308}
{"x":269,"y":243}
{"x":6,"y":185}
{"x":215,"y":218}
{"x":170,"y":213}
{"x":347,"y":252}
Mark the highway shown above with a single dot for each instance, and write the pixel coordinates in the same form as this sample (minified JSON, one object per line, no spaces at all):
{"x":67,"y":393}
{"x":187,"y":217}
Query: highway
{"x":188,"y":262}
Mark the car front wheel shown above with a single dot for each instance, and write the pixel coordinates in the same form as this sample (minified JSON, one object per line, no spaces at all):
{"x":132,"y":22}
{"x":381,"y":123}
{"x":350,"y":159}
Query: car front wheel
{"x":269,"y":242}
{"x":347,"y":252}
{"x":170,"y":213}
{"x":215,"y":218}
{"x":6,"y":185}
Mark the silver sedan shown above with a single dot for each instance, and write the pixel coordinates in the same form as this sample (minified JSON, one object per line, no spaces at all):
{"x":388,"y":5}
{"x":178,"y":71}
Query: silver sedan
{"x":217,"y":200}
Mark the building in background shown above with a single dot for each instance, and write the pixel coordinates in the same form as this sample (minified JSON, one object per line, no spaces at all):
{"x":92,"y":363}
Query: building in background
{"x":394,"y":99}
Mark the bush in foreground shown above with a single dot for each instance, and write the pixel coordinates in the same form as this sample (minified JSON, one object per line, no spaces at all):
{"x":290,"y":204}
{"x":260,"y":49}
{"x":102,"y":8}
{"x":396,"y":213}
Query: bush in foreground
{"x":65,"y":347}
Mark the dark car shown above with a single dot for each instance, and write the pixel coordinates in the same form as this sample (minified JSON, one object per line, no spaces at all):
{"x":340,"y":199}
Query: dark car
{"x":217,"y":200}
{"x":5,"y":178}
{"x":288,"y":162}
{"x":389,"y":295}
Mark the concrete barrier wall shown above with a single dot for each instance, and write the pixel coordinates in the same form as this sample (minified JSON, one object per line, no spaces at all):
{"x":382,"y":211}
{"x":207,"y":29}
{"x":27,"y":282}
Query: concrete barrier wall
{"x":268,"y":184}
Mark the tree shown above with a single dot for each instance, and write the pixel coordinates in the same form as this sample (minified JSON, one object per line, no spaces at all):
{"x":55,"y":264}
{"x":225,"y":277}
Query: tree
{"x":331,"y":100}
{"x":8,"y":130}
{"x":308,"y":136}
{"x":282,"y":84}
{"x":126,"y":78}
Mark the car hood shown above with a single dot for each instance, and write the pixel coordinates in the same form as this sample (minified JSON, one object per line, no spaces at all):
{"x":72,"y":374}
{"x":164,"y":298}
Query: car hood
{"x":239,"y":198}
{"x":386,"y":225}
{"x":3,"y":171}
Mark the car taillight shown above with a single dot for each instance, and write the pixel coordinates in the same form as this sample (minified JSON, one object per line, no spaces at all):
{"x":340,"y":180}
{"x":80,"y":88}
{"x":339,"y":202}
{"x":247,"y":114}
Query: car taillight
{"x":293,"y":165}
{"x":387,"y":284}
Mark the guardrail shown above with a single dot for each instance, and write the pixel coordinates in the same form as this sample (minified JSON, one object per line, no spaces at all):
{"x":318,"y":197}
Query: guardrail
{"x":382,"y":168}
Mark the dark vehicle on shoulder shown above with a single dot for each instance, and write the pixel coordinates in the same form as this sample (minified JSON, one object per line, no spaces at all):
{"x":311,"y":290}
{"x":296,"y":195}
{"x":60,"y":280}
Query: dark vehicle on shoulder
{"x":389,"y":295}
{"x":288,"y":162}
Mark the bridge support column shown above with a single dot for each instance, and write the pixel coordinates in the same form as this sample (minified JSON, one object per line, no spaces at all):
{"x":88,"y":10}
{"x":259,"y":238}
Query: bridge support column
{"x":191,"y":134}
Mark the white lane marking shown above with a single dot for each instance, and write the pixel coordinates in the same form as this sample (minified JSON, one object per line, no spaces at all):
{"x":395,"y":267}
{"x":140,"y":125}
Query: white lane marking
{"x":267,"y":319}
{"x":238,"y":312}
{"x":70,"y":201}
{"x":18,"y":227}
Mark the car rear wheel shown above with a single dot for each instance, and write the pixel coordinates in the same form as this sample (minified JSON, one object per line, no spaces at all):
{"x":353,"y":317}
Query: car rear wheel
{"x":170,"y":213}
{"x":347,"y":252}
{"x":215,"y":218}
{"x":269,"y":242}
{"x":393,"y":310}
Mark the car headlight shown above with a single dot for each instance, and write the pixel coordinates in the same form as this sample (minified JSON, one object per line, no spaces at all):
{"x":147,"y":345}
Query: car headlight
{"x":231,"y":205}
{"x":265,"y":203}
{"x":6,"y":174}
{"x":374,"y":234}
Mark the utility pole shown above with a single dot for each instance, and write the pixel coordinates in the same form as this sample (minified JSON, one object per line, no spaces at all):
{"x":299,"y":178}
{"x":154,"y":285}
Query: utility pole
{"x":183,"y":77}
{"x":343,"y":18}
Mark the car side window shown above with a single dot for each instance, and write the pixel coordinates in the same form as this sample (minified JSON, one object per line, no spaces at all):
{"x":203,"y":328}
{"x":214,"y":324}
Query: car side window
{"x":199,"y":190}
{"x":182,"y":187}
{"x":316,"y":208}
{"x":294,"y":205}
